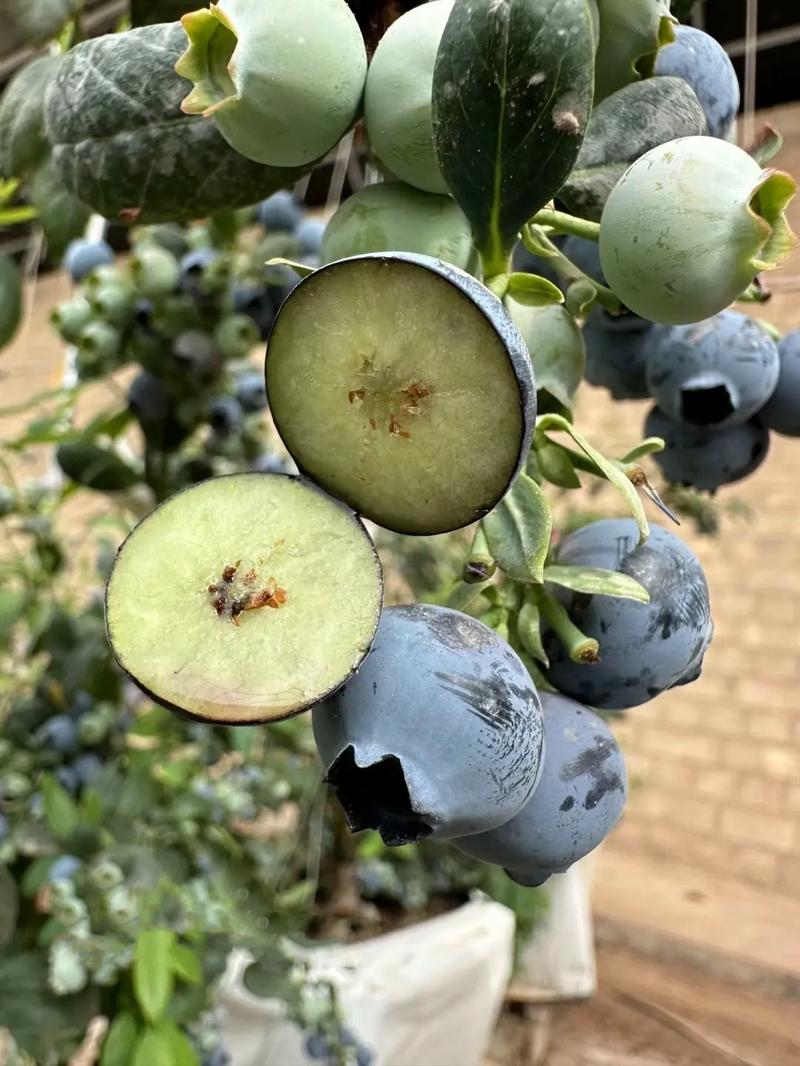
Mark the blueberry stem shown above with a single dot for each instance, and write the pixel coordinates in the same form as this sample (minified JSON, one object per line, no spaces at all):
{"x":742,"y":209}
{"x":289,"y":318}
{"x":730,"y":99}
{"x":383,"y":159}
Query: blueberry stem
{"x":538,"y":243}
{"x":564,"y":223}
{"x":579,"y":647}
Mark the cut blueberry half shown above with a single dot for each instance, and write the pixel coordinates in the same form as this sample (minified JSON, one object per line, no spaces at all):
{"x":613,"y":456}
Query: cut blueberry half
{"x":244,"y":599}
{"x":400,"y":384}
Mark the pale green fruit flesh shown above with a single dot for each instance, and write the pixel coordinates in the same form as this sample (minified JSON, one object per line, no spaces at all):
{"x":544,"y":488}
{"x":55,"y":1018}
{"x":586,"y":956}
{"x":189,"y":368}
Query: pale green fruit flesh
{"x":170,"y":611}
{"x":397,"y":99}
{"x":282,"y":86}
{"x":396,"y":392}
{"x":395,"y":217}
{"x":688,"y":226}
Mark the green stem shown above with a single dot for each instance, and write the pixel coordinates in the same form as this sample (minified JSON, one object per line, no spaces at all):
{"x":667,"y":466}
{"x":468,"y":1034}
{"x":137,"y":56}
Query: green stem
{"x":462,"y":596}
{"x":498,"y":284}
{"x":479,"y":566}
{"x":564,"y":223}
{"x":155,"y":472}
{"x":538,"y":243}
{"x":579,"y":647}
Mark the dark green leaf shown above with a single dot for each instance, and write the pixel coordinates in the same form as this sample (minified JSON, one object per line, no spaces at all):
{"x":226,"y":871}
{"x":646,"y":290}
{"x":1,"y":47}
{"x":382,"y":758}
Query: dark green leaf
{"x":10,"y":298}
{"x":622,"y":128}
{"x":556,"y":465}
{"x":62,"y":215}
{"x":95,"y":467}
{"x":631,"y":32}
{"x":35,"y":876}
{"x":106,"y":424}
{"x":512,"y":93}
{"x":268,"y":977}
{"x":151,"y":12}
{"x":60,"y":812}
{"x":119,"y":1042}
{"x":153,"y":1049}
{"x":92,"y":808}
{"x":23,"y":142}
{"x":556,"y":345}
{"x":597,"y":582}
{"x":518,"y":530}
{"x":9,"y":906}
{"x":153,"y":975}
{"x":186,"y":964}
{"x":532,"y":291}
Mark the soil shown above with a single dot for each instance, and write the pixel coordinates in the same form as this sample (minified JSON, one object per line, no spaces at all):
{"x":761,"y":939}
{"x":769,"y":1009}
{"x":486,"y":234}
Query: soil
{"x":649,"y":1012}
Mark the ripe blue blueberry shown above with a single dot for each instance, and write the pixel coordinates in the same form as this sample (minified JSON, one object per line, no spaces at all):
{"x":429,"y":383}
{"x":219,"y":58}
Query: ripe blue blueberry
{"x":316,"y":1046}
{"x":195,"y":353}
{"x":58,"y":733}
{"x":705,"y":65}
{"x":68,"y":779}
{"x":280,"y":213}
{"x":225,"y":414}
{"x":782,"y":411}
{"x":577,"y":802}
{"x":82,"y":703}
{"x":309,"y":236}
{"x":87,"y":768}
{"x":715,"y":373}
{"x":257,"y":302}
{"x":644,"y":648}
{"x":82,"y":257}
{"x":193,"y":268}
{"x":707,"y":459}
{"x":439,"y":733}
{"x":251,"y":391}
{"x":63,"y":869}
{"x":616,"y":359}
{"x":152,"y":405}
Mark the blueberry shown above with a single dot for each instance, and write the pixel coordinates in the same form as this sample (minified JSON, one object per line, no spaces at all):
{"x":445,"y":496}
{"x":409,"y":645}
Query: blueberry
{"x":63,"y":869}
{"x":143,"y":314}
{"x":577,"y":802}
{"x":707,"y":459}
{"x":439,"y":732}
{"x":251,"y":391}
{"x":5,"y":828}
{"x":82,"y":703}
{"x":705,"y":65}
{"x":616,"y":359}
{"x":309,"y":236}
{"x":364,"y":1057}
{"x":87,"y":768}
{"x":280,"y":213}
{"x":153,"y":406}
{"x":196,"y":355}
{"x":258,"y":303}
{"x":715,"y":373}
{"x":782,"y":411}
{"x":59,"y":733}
{"x":68,"y":779}
{"x":316,"y":1046}
{"x":644,"y":648}
{"x":193,"y":268}
{"x":236,"y":335}
{"x":82,"y":257}
{"x":225,"y":414}
{"x":270,"y":463}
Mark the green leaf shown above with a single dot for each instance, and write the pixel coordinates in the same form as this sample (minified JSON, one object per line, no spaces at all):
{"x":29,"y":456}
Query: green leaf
{"x":622,"y":128}
{"x":153,"y":1049}
{"x":9,"y":906}
{"x":10,"y":298}
{"x":119,"y":1041}
{"x":647,"y":447}
{"x":13,"y":216}
{"x":768,"y":143}
{"x":529,"y":630}
{"x":181,"y":1051}
{"x":555,"y":464}
{"x":597,"y":582}
{"x":518,"y":531}
{"x":62,"y":215}
{"x":60,"y":811}
{"x":107,"y":424}
{"x":556,"y":345}
{"x":153,"y":974}
{"x":631,"y":33}
{"x":12,"y":607}
{"x":186,"y":964}
{"x":532,"y":291}
{"x":512,"y":94}
{"x":92,"y":809}
{"x":606,"y":467}
{"x":95,"y":467}
{"x":296,"y":896}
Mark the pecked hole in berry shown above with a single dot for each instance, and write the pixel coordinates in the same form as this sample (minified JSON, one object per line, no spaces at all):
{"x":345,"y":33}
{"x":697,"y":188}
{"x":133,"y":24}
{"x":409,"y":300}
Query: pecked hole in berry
{"x":709,"y":406}
{"x":376,"y":797}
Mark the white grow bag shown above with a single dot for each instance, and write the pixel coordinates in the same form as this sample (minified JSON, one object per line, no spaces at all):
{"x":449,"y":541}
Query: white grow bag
{"x":428,"y":995}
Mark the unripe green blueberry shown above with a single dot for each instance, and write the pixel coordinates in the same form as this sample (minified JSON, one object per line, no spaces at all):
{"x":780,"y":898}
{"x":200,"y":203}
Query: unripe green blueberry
{"x":14,"y":785}
{"x":236,"y":336}
{"x":99,"y":343}
{"x":282,"y":86}
{"x":689,"y":225}
{"x":397,"y":98}
{"x":107,"y":274}
{"x":114,"y":302}
{"x":155,"y":271}
{"x":71,"y":317}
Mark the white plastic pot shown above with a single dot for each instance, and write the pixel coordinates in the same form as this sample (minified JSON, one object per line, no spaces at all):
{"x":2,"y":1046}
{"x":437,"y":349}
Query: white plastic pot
{"x":428,"y":995}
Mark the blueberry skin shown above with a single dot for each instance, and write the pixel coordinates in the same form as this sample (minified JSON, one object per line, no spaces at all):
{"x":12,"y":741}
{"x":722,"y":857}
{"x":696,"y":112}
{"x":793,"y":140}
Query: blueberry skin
{"x":81,"y":704}
{"x":707,"y":459}
{"x":251,"y":391}
{"x":193,"y":267}
{"x":259,"y":303}
{"x":644,"y":648}
{"x":577,"y":802}
{"x":87,"y":768}
{"x":705,"y":65}
{"x":782,"y":411}
{"x":309,"y":236}
{"x":63,"y":869}
{"x":316,"y":1046}
{"x":616,"y":359}
{"x":59,"y":733}
{"x":82,"y":257}
{"x":152,"y":405}
{"x":280,"y":213}
{"x":225,"y":414}
{"x":68,"y":779}
{"x":715,"y":373}
{"x":438,"y":734}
